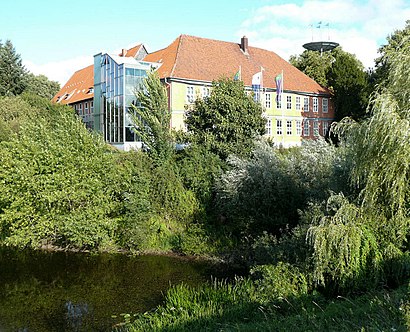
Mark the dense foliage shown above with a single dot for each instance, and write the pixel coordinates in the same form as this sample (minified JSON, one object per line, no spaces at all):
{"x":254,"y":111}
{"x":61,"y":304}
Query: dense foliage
{"x":15,"y":79}
{"x":265,"y":192}
{"x":152,"y":118}
{"x":314,"y":64}
{"x":41,"y":86}
{"x":54,"y":179}
{"x":12,"y":71}
{"x":228,"y":121}
{"x":343,"y":74}
{"x":396,"y":42}
{"x":315,"y":220}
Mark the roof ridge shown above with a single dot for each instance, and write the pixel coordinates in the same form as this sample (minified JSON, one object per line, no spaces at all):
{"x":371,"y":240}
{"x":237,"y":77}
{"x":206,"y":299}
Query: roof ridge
{"x":176,"y":55}
{"x":212,"y":39}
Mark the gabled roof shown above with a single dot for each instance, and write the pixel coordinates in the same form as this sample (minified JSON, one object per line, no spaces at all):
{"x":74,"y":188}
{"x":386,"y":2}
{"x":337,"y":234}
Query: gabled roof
{"x":78,"y":87}
{"x":195,"y":58}
{"x":133,"y":51}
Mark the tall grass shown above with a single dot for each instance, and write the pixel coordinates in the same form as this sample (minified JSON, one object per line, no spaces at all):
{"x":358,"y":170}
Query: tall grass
{"x":241,"y":306}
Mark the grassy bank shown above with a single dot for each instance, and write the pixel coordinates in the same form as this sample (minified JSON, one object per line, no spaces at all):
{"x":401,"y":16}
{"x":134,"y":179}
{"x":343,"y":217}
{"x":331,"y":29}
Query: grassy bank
{"x":245,"y":306}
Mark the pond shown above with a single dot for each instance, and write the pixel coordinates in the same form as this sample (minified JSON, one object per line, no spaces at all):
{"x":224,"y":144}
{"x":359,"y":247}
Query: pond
{"x":61,"y":291}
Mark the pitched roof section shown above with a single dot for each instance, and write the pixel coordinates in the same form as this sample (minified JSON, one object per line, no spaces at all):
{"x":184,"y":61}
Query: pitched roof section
{"x":196,"y":58}
{"x":167,"y":56}
{"x":78,"y":87}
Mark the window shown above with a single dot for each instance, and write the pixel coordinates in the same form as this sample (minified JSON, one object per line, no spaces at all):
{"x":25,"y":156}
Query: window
{"x":298,"y":103}
{"x":298,"y":127}
{"x":268,"y":127}
{"x":206,"y":92}
{"x":267,"y":100}
{"x":279,"y":102}
{"x":190,"y":94}
{"x":315,"y":128}
{"x":306,"y":104}
{"x":288,"y":127}
{"x":306,"y":131}
{"x":91,"y":107}
{"x":86,"y":108}
{"x":325,"y":127}
{"x":80,"y":109}
{"x":256,"y":95}
{"x":315,"y":104}
{"x":288,"y":102}
{"x":278,"y":127}
{"x":325,"y":105}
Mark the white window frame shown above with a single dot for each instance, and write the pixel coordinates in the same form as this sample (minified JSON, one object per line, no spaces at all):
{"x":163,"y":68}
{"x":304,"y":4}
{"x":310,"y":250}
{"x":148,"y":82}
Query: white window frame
{"x":288,"y":102}
{"x":190,"y":94}
{"x":289,"y":127}
{"x":306,"y":128}
{"x":325,"y":127}
{"x":297,"y":103}
{"x":315,"y":104}
{"x":268,"y":103}
{"x":325,"y":105}
{"x":279,"y":102}
{"x":306,"y":104}
{"x":299,"y":127}
{"x":206,"y":92}
{"x":316,"y":128}
{"x":268,"y":127}
{"x":279,"y":129}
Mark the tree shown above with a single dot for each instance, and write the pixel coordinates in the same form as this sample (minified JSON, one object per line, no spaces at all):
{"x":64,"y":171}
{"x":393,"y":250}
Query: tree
{"x":228,"y":121}
{"x":266,"y":192}
{"x":396,"y":42}
{"x":41,"y":86}
{"x":314,"y":65}
{"x":364,"y":241}
{"x":12,"y":72}
{"x":152,"y":117}
{"x":348,"y":80}
{"x":343,"y":74}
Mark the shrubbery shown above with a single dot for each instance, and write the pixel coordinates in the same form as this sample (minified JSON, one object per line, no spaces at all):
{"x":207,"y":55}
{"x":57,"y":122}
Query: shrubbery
{"x":265,"y":192}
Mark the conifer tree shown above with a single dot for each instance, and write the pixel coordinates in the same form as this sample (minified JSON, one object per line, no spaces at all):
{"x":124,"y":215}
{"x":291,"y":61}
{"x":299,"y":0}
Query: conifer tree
{"x":12,"y":72}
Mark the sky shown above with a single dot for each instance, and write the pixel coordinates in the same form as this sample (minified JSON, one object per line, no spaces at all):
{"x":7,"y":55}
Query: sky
{"x":56,"y":38}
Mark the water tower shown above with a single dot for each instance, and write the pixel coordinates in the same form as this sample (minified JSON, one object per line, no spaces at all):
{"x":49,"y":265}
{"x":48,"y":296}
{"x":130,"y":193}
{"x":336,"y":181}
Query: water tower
{"x":322,"y":46}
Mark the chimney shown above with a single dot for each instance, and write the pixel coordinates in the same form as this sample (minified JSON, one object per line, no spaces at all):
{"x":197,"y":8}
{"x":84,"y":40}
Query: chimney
{"x":123,"y":52}
{"x":244,"y":44}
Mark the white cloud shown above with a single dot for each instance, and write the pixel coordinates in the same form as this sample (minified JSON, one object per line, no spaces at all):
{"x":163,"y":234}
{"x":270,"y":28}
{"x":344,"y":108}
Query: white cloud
{"x":59,"y":71}
{"x":359,"y":27}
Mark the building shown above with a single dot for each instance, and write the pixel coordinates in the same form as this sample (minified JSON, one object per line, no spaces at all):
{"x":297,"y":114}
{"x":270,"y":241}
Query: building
{"x":187,"y":68}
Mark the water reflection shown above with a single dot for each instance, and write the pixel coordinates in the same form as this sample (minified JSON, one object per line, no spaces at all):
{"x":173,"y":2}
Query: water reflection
{"x":59,"y":291}
{"x":75,"y":314}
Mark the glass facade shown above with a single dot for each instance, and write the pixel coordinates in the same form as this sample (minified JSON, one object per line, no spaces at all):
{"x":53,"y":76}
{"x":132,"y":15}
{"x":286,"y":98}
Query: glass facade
{"x":116,"y":81}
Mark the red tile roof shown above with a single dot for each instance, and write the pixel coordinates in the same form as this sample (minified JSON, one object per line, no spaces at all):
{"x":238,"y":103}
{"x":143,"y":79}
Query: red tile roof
{"x":77,"y":87}
{"x":133,"y":51}
{"x":195,"y":58}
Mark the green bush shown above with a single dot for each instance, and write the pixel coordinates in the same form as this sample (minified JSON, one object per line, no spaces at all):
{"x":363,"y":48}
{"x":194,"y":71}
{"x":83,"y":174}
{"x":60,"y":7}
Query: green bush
{"x":264,"y":193}
{"x":58,"y":182}
{"x":282,"y":280}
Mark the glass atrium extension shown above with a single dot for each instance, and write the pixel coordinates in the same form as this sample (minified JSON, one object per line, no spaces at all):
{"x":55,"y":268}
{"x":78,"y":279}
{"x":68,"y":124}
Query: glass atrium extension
{"x":116,"y":80}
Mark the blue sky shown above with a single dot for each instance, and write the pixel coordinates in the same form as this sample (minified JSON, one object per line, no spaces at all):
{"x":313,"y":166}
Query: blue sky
{"x":56,"y":38}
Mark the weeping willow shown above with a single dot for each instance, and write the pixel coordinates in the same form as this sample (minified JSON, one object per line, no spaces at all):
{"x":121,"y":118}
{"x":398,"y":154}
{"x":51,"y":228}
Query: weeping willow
{"x":343,"y":246}
{"x":375,"y":227}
